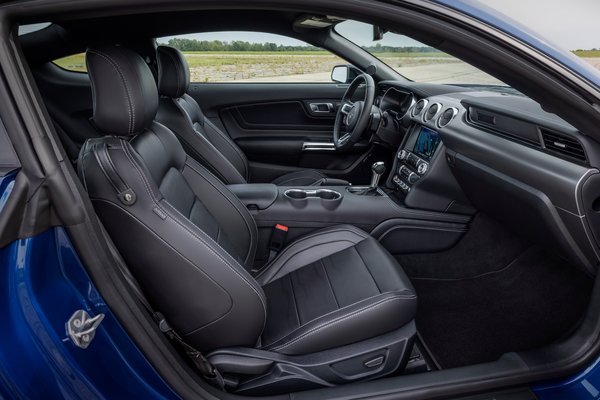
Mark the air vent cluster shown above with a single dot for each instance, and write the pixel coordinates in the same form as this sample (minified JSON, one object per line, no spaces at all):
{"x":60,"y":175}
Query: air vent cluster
{"x":432,"y":111}
{"x":446,"y":117}
{"x":563,"y":145}
{"x":419,"y":107}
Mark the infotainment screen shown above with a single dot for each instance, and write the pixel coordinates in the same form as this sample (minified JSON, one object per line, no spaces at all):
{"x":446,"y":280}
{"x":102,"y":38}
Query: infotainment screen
{"x":427,"y":142}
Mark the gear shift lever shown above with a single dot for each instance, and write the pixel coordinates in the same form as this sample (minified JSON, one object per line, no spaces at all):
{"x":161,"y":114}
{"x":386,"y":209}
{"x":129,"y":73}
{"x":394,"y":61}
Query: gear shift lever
{"x":378,"y":169}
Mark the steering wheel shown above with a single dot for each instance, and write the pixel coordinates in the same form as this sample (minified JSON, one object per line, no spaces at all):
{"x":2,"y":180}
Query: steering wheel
{"x":352,"y":117}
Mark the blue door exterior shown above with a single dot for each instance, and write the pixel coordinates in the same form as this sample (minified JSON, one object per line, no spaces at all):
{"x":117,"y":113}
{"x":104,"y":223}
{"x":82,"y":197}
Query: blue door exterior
{"x":42,"y":283}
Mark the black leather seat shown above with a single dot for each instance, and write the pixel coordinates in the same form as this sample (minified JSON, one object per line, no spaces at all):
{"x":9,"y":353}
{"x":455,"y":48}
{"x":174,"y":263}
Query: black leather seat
{"x":202,"y":139}
{"x":332,"y":307}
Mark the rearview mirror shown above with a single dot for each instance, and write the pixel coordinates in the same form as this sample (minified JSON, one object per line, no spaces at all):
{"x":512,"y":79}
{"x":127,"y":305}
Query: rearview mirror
{"x":378,"y":33}
{"x":344,"y":73}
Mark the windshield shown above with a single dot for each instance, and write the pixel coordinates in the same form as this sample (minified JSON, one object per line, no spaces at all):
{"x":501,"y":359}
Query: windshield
{"x":414,"y":60}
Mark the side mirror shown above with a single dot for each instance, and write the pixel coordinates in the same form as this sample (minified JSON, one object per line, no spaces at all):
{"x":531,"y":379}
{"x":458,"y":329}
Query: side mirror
{"x":339,"y":73}
{"x":344,"y":73}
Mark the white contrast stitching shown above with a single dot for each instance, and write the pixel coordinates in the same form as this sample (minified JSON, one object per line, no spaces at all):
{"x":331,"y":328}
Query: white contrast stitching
{"x":131,"y":109}
{"x":303,"y":239}
{"x":186,"y":230}
{"x":337,"y":321}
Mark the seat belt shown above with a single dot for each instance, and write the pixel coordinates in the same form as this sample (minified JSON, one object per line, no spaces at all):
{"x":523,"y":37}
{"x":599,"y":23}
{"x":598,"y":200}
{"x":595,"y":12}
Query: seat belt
{"x":208,"y":371}
{"x":277,"y":240}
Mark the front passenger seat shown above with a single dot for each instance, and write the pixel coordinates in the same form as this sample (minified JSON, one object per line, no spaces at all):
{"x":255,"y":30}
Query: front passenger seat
{"x":332,"y":307}
{"x":203,"y":140}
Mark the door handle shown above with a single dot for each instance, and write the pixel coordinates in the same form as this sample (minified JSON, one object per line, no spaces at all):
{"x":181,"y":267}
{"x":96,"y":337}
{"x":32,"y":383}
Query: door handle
{"x":321,"y":108}
{"x":318,"y":146}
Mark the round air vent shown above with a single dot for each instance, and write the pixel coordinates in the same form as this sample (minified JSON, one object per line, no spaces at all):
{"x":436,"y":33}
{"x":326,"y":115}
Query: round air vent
{"x":418,"y":109}
{"x":432,"y":111}
{"x":446,"y":117}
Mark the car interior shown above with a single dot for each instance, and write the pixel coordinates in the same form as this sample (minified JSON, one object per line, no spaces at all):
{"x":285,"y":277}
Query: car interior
{"x":305,"y":236}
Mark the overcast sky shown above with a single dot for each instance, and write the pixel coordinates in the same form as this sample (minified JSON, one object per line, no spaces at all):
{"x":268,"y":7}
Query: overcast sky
{"x":571,"y":24}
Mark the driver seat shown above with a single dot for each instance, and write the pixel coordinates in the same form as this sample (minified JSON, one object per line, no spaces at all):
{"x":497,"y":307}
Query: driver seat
{"x":331,"y":307}
{"x":202,"y":139}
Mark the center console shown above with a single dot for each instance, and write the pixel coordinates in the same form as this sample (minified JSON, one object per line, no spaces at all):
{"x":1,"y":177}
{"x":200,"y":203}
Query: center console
{"x":305,"y":209}
{"x":420,"y":176}
{"x":419,"y":208}
{"x":413,"y":162}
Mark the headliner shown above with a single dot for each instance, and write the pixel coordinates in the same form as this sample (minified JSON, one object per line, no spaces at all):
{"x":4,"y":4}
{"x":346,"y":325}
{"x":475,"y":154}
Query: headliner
{"x":65,"y":37}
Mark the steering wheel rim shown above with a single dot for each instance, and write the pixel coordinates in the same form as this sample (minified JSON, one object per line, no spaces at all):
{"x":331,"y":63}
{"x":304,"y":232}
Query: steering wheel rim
{"x":352,"y":117}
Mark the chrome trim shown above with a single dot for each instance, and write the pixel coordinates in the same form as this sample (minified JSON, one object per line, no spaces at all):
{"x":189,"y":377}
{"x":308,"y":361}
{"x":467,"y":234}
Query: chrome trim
{"x":315,"y":194}
{"x":412,"y":112}
{"x":314,"y":107}
{"x":454,"y":114}
{"x":434,"y":115}
{"x":318,"y":146}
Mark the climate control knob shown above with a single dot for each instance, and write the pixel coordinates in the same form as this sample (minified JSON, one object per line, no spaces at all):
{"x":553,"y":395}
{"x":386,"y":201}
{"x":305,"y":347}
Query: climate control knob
{"x":402,"y":155}
{"x":413,"y":178}
{"x":422,"y":168}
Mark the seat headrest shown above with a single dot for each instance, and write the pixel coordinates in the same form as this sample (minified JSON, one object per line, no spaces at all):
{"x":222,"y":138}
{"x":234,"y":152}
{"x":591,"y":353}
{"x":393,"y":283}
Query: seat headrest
{"x":123,"y":89}
{"x":173,"y":72}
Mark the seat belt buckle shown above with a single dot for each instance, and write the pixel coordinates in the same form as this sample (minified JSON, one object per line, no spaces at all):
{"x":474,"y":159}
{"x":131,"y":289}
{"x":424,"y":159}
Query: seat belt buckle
{"x":277,"y":240}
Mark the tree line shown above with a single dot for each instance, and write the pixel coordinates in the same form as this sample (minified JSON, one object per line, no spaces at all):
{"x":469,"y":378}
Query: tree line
{"x":240,"y":45}
{"x":236,"y":45}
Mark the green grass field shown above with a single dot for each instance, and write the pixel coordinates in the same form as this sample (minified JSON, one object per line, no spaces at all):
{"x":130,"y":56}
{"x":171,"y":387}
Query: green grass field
{"x":232,"y":66}
{"x":217,"y":59}
{"x":587,"y":53}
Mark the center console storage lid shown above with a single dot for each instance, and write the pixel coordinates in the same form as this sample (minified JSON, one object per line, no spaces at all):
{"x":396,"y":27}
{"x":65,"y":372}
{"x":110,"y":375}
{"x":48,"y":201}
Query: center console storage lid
{"x":261,"y":195}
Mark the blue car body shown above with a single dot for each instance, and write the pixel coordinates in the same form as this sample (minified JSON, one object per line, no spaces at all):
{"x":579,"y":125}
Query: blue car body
{"x":43,"y":282}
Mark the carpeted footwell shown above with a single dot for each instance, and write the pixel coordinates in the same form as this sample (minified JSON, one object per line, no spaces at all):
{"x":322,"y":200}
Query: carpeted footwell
{"x":474,"y":314}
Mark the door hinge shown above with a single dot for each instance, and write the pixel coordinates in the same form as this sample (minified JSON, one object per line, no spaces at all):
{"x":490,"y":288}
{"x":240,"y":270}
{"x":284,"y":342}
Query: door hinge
{"x":81,"y":328}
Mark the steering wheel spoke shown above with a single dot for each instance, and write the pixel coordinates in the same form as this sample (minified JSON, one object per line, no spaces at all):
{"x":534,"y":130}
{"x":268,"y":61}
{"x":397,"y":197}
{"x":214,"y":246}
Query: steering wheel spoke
{"x":353,"y":116}
{"x":346,"y":107}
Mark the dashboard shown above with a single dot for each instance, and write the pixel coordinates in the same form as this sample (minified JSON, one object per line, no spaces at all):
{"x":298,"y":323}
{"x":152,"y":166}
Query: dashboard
{"x":463,"y":150}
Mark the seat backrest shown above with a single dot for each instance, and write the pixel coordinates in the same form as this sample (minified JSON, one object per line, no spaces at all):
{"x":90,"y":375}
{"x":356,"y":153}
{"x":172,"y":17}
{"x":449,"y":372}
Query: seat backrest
{"x":186,"y":238}
{"x":202,"y":139}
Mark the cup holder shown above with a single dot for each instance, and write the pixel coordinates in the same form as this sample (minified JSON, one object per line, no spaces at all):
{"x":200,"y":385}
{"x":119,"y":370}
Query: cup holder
{"x":301,"y":194}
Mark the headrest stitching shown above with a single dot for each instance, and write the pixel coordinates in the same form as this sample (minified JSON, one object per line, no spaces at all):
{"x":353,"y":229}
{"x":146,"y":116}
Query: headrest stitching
{"x":131,"y":110}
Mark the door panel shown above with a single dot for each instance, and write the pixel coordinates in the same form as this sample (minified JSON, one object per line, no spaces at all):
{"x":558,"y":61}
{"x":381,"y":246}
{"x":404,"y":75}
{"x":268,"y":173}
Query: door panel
{"x":284,"y":115}
{"x":274,"y":122}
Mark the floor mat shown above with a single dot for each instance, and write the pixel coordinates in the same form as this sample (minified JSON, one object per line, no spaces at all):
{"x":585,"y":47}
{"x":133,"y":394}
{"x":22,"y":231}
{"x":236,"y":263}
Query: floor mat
{"x":486,"y":247}
{"x":530,"y":302}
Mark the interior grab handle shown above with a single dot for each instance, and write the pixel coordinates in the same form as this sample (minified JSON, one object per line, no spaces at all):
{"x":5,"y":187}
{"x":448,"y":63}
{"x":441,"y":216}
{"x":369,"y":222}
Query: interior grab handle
{"x":322,"y":108}
{"x":318,"y":146}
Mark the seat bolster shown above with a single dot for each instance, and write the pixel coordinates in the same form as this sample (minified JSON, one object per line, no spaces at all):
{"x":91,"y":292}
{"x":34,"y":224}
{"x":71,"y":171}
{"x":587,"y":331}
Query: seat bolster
{"x":176,"y":117}
{"x":311,"y":248}
{"x":362,"y":320}
{"x":236,"y":220}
